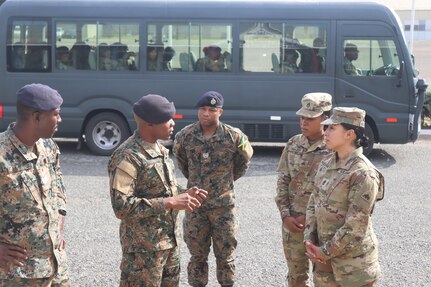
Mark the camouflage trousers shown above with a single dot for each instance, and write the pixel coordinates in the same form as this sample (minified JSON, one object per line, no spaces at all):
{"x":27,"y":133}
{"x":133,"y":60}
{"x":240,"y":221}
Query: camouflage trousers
{"x":358,"y":271}
{"x":297,"y":262}
{"x":200,"y":227}
{"x":37,"y":282}
{"x":324,"y":277}
{"x":151,"y":269}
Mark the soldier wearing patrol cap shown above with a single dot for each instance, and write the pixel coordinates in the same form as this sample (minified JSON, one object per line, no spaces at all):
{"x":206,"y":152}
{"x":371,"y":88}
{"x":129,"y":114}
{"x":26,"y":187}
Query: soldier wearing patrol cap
{"x":297,"y":167}
{"x":146,"y":198}
{"x":339,"y":236}
{"x":32,"y":196}
{"x":212,"y":155}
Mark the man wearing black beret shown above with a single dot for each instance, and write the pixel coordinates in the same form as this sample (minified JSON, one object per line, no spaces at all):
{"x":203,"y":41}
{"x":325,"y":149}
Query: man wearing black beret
{"x":32,"y":196}
{"x":146,"y":198}
{"x":212,"y":155}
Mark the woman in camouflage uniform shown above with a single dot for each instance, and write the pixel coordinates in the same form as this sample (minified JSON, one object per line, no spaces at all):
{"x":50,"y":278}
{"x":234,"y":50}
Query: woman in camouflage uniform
{"x":339,"y":236}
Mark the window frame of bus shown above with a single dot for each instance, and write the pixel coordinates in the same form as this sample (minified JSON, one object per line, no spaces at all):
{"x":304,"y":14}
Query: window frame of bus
{"x":319,"y":25}
{"x":46,"y":47}
{"x":189,"y":24}
{"x":100,"y":22}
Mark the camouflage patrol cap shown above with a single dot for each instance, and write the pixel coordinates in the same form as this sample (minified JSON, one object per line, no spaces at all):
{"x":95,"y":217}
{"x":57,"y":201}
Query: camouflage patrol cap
{"x":214,"y":47}
{"x":39,"y":97}
{"x":210,"y":99}
{"x":315,"y":104}
{"x":154,"y":109}
{"x":352,"y":116}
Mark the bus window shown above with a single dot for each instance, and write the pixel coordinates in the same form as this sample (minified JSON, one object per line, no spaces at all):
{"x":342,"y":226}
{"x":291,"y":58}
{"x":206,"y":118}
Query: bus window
{"x":282,"y":48}
{"x":104,"y":46}
{"x":189,"y":47}
{"x":370,"y":58}
{"x":28,"y":47}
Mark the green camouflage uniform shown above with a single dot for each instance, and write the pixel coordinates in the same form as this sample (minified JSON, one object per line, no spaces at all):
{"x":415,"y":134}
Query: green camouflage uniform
{"x":296,"y":171}
{"x":349,"y":68}
{"x":212,"y":164}
{"x":207,"y":64}
{"x":141,"y":175}
{"x":339,"y":219}
{"x":32,"y":193}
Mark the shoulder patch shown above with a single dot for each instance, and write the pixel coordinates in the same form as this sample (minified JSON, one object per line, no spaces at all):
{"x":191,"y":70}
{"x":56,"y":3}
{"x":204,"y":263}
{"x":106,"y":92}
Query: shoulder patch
{"x":128,"y":168}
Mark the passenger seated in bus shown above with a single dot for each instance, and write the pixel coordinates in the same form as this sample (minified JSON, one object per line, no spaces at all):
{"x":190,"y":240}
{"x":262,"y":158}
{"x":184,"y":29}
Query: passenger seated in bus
{"x":36,"y":57}
{"x":168,"y":54}
{"x":317,"y":45}
{"x":311,"y":61}
{"x":153,"y":63}
{"x":351,"y":54}
{"x":106,"y":63}
{"x":289,"y":65}
{"x":62,"y":58}
{"x":125,"y":61}
{"x":18,"y":56}
{"x":199,"y":65}
{"x":79,"y":56}
{"x":214,"y":61}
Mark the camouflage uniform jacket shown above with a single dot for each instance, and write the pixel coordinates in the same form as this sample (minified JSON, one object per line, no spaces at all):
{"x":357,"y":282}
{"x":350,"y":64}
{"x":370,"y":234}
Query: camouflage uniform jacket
{"x":32,"y":193}
{"x":339,"y":210}
{"x":140,"y":176}
{"x":213,"y":164}
{"x":296,"y":171}
{"x":349,"y":68}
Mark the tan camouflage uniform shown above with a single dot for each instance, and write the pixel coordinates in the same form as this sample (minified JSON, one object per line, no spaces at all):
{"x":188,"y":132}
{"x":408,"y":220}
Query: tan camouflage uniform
{"x":213,"y":165}
{"x":339,"y":219}
{"x":296,"y":171}
{"x":141,"y":175}
{"x":32,"y":193}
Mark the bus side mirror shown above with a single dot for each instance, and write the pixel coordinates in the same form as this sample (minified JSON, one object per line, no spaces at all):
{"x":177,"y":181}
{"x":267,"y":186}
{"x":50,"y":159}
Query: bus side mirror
{"x":400,"y":74}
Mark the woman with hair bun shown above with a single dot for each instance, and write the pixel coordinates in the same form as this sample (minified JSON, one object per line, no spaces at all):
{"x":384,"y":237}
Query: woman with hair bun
{"x":339,"y":235}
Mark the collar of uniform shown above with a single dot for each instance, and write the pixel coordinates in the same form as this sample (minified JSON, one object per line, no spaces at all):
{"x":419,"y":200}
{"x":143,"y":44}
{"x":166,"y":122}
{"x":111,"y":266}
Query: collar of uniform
{"x":217,"y":136}
{"x":148,"y":148}
{"x":310,"y":148}
{"x":28,"y":154}
{"x":346,"y":163}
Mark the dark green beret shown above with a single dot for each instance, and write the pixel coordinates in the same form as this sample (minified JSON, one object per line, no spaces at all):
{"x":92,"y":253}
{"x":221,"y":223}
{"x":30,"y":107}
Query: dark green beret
{"x":39,"y":97}
{"x":210,"y":99}
{"x":154,"y":109}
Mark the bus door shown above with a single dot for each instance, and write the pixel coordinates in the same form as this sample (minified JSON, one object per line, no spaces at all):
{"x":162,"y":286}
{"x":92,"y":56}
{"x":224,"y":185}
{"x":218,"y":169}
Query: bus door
{"x":367,"y":76}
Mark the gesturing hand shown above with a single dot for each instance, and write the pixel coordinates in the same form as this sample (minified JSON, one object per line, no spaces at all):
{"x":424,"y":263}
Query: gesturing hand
{"x":190,"y":200}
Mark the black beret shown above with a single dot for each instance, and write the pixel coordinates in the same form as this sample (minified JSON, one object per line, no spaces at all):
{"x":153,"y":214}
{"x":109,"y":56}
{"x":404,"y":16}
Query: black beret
{"x":210,"y":99}
{"x":154,"y":109}
{"x":39,"y":97}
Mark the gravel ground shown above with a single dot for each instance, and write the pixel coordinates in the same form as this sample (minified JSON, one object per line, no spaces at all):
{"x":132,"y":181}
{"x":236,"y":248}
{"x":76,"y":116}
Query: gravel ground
{"x":400,"y":220}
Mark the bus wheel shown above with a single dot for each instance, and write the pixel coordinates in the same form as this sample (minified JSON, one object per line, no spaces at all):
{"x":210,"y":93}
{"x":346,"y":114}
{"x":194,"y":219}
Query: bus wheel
{"x":370,"y":134}
{"x":104,"y":132}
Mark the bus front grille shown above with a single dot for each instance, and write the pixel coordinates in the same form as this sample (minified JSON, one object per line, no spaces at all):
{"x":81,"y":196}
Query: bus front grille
{"x":264,"y":131}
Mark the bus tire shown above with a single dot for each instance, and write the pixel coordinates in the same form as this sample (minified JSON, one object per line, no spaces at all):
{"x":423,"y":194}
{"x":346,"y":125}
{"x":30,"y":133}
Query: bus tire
{"x":104,"y":132}
{"x":371,"y":139}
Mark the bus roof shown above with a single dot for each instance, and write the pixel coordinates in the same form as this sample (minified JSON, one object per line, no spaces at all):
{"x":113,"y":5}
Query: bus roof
{"x":202,"y":9}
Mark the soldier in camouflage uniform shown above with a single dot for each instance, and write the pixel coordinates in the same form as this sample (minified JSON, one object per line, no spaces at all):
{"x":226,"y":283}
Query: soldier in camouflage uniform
{"x":339,"y":234}
{"x":212,"y":155}
{"x":32,"y":194}
{"x":214,"y":61}
{"x":296,"y":171}
{"x":351,"y":54}
{"x":145,"y":196}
